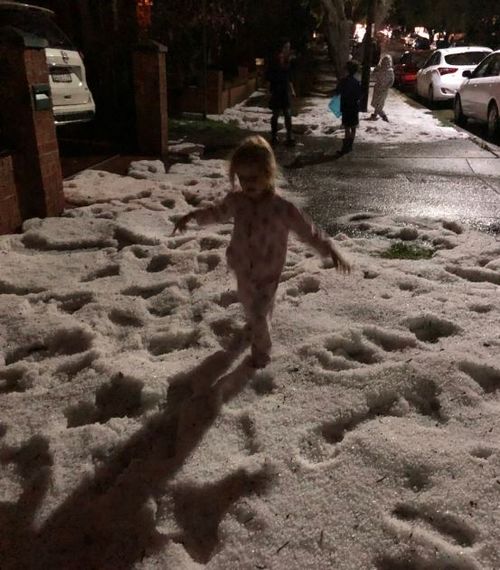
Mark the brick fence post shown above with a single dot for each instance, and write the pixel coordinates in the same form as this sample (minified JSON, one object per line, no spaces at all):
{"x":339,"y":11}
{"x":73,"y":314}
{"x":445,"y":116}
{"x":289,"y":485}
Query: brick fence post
{"x":10,"y":217}
{"x":215,"y":85}
{"x":150,"y":87}
{"x":28,"y":125}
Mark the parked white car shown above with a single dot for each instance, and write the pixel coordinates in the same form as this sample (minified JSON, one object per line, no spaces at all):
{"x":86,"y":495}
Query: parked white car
{"x":479,"y":96}
{"x":71,"y":97}
{"x":441,"y":75}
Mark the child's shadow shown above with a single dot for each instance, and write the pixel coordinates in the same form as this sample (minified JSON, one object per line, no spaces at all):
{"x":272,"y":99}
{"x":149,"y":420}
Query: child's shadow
{"x":313,"y":158}
{"x":106,"y":522}
{"x":33,"y":462}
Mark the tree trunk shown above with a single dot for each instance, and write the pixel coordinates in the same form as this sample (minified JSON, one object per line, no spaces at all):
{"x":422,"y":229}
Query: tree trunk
{"x":338,"y":31}
{"x":367,"y":54}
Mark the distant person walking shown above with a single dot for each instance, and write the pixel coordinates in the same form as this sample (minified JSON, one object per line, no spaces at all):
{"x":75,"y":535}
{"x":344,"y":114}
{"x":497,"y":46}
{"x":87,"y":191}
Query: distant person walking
{"x":349,"y":89}
{"x":281,"y":89}
{"x":384,"y":80}
{"x":259,"y":242}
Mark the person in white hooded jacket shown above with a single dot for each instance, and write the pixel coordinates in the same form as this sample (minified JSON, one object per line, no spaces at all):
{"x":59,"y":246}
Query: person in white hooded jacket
{"x":384,"y":80}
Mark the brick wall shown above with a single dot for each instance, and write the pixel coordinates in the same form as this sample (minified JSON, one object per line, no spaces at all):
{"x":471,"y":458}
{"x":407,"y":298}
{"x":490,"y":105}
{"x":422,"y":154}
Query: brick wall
{"x":32,"y":135}
{"x":220,"y":94}
{"x":37,"y":170}
{"x":150,"y":87}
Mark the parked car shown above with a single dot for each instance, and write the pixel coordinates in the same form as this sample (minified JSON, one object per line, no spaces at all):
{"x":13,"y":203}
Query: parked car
{"x":405,"y":70}
{"x":421,"y":43}
{"x":71,"y":97}
{"x":441,"y":75}
{"x":479,"y":96}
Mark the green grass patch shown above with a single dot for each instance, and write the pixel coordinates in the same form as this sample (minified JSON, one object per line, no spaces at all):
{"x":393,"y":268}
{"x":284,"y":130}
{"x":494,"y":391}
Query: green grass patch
{"x":443,"y":116}
{"x":202,"y":126}
{"x":441,"y":111}
{"x":402,"y":250}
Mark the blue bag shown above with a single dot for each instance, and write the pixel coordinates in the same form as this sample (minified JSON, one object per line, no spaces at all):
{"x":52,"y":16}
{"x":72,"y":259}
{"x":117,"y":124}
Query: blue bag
{"x":334,"y":105}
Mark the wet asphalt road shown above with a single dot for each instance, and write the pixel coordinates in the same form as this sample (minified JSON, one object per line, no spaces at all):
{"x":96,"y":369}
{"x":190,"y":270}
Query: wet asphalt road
{"x":455,"y":180}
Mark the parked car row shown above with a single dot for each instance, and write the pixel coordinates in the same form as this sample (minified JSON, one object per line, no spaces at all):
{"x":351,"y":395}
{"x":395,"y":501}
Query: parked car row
{"x":406,"y":69}
{"x":467,"y":76}
{"x":479,"y":96}
{"x":441,"y":75}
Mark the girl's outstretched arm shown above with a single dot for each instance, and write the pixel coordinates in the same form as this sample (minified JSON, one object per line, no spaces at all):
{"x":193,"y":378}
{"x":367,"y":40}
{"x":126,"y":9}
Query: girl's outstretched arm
{"x":181,"y":223}
{"x":299,"y":223}
{"x":219,"y":213}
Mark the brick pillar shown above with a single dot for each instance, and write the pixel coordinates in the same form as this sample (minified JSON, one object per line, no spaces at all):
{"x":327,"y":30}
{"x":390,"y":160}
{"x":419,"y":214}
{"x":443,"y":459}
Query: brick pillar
{"x":30,"y":133}
{"x":150,"y":86}
{"x":215,"y":84}
{"x":10,"y":216}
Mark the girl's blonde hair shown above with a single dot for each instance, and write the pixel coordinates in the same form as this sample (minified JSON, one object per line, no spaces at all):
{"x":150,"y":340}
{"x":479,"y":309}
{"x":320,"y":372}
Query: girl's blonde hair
{"x":254,"y":151}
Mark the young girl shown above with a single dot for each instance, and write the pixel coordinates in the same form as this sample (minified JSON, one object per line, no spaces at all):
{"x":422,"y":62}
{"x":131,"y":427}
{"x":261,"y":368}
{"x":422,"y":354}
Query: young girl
{"x":258,"y":247}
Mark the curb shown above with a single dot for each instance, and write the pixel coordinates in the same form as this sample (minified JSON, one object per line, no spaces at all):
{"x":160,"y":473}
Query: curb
{"x":485,"y":145}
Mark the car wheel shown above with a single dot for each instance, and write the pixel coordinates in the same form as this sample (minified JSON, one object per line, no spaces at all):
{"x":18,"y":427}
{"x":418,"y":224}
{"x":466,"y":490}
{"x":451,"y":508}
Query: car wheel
{"x":460,"y":118}
{"x":430,"y":96}
{"x":493,"y":121}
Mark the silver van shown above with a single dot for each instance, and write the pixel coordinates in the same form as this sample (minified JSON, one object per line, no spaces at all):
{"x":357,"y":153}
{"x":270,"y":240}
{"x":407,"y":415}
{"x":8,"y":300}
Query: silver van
{"x":71,"y":97}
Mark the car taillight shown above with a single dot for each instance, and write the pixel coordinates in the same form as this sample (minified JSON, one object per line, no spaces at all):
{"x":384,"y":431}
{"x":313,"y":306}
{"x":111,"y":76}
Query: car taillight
{"x":446,"y":70}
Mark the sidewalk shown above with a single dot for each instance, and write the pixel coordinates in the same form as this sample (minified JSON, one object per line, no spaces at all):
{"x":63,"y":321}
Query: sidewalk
{"x":398,"y":168}
{"x":444,"y":179}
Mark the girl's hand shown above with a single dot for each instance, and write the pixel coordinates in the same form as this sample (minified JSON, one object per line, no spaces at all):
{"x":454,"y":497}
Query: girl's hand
{"x":181,"y":223}
{"x":341,"y":263}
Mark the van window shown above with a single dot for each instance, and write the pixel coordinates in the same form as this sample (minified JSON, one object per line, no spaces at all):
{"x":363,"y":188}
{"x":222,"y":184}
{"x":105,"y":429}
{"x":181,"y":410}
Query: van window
{"x":35,"y":22}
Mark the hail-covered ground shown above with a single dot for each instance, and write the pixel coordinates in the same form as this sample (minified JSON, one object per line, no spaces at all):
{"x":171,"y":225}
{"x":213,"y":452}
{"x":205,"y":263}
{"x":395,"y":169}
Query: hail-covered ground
{"x":135,"y":434}
{"x":407,"y":123}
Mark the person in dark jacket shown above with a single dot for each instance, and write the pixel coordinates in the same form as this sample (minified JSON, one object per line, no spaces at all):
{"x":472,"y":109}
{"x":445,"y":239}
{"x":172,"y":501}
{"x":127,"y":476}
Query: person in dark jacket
{"x":281,"y":89}
{"x":349,"y":89}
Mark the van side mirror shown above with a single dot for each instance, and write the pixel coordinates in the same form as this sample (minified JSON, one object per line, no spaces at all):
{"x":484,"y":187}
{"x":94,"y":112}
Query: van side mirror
{"x":467,"y":73}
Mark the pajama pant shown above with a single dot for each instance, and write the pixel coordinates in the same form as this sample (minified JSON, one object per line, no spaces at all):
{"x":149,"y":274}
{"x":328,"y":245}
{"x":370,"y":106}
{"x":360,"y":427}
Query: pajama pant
{"x":258,"y":303}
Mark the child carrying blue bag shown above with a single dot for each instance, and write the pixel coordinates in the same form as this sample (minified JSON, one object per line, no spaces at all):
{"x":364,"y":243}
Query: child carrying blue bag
{"x":349,"y":92}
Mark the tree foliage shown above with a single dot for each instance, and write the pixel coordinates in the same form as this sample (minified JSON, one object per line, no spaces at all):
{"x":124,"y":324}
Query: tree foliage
{"x":449,"y":15}
{"x":337,"y":19}
{"x":179,"y":24}
{"x":237,"y":30}
{"x":240,"y":30}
